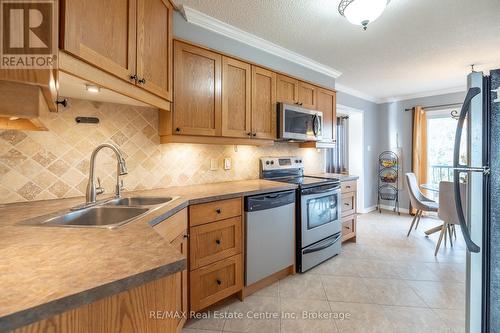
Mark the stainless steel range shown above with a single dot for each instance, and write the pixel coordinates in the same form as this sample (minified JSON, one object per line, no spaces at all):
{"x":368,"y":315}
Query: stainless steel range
{"x":318,"y":226}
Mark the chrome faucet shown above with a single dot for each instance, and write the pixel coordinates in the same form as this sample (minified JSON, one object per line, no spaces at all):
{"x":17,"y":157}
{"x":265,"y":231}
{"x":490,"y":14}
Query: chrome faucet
{"x":121,"y":169}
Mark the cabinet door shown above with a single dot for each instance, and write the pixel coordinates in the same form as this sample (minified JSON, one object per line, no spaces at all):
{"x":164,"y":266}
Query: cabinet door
{"x":236,"y":98}
{"x":287,"y":89}
{"x":263,"y":103}
{"x":154,"y":46}
{"x":307,"y":95}
{"x":102,"y":33}
{"x":327,"y":105}
{"x":197,"y":93}
{"x":181,"y":296}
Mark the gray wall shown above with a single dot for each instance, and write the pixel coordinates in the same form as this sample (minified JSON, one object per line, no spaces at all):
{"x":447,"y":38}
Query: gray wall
{"x":191,"y":32}
{"x":371,"y":141}
{"x":394,"y":122}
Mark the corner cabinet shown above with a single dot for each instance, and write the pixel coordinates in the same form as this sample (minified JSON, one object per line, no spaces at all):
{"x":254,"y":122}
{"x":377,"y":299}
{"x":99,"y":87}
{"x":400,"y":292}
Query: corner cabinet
{"x":129,"y":40}
{"x":263,"y":103}
{"x":197,"y":94}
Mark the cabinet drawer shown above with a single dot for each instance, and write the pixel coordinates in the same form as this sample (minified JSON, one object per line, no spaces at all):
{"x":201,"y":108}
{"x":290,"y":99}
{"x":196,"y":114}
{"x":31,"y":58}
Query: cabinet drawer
{"x":215,"y":241}
{"x":173,"y":226}
{"x":214,"y":282}
{"x":214,"y":211}
{"x":348,"y":204}
{"x":348,"y":228}
{"x":348,"y":186}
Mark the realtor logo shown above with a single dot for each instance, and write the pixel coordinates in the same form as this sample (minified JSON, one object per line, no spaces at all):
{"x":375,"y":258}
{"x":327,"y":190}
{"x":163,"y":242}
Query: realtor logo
{"x":27,"y":34}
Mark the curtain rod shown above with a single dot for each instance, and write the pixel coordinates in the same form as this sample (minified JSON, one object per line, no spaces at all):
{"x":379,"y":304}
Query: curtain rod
{"x":436,"y":106}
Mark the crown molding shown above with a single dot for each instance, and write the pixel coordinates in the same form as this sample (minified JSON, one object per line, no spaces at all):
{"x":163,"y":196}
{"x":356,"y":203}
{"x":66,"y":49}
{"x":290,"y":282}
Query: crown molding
{"x":424,"y":94}
{"x":356,"y":93}
{"x":203,"y":20}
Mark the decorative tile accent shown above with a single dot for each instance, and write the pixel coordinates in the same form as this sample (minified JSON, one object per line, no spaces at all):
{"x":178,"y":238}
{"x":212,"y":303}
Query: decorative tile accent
{"x":55,"y":164}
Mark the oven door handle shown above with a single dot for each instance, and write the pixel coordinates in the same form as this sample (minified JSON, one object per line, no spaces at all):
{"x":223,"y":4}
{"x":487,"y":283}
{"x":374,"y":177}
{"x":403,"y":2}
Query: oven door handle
{"x":321,"y":190}
{"x":323,"y":246}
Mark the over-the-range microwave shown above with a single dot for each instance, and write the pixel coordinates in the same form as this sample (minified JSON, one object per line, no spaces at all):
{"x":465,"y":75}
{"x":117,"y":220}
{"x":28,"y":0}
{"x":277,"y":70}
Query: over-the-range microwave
{"x":300,"y":124}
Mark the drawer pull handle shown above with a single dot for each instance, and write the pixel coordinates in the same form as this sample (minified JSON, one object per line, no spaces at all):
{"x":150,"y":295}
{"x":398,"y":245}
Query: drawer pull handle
{"x":348,"y":228}
{"x":219,"y":282}
{"x":348,"y":186}
{"x":217,"y":241}
{"x":347,"y":204}
{"x":218,"y":210}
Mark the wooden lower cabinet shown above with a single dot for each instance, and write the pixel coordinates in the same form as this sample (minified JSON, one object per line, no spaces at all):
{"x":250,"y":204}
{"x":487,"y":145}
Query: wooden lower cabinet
{"x":348,"y":227}
{"x":215,"y":252}
{"x":140,"y":309}
{"x":174,"y":230}
{"x":215,"y":241}
{"x":216,"y":281}
{"x":348,"y":210}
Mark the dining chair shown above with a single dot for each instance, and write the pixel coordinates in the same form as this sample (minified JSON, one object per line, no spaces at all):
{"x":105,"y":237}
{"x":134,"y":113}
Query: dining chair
{"x":448,"y":212}
{"x":418,"y":201}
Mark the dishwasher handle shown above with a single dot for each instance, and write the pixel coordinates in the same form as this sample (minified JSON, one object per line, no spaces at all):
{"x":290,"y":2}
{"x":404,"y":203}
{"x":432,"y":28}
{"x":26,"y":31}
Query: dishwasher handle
{"x":269,"y":201}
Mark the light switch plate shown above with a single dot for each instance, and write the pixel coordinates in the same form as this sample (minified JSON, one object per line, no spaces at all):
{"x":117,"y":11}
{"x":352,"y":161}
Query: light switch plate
{"x":227,"y":163}
{"x":213,"y":164}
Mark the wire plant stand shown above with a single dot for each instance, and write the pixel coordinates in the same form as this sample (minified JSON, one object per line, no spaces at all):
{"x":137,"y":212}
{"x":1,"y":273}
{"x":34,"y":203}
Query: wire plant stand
{"x":388,"y":174}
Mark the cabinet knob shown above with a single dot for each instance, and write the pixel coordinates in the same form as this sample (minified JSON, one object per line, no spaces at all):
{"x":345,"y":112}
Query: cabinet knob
{"x":177,"y":129}
{"x":186,"y":236}
{"x":142,"y":81}
{"x":219,"y":282}
{"x":218,"y":210}
{"x":254,"y":134}
{"x":249,"y":133}
{"x":63,"y":102}
{"x":133,"y":77}
{"x":217,"y":241}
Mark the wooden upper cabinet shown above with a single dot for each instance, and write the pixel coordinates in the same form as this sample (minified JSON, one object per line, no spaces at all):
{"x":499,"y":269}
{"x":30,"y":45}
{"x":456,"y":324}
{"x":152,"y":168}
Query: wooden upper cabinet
{"x":307,"y":95}
{"x":197,"y":93}
{"x":326,"y":103}
{"x":154,"y":46}
{"x":263,"y":103}
{"x":102,"y":33}
{"x":236,"y":98}
{"x":287,"y":89}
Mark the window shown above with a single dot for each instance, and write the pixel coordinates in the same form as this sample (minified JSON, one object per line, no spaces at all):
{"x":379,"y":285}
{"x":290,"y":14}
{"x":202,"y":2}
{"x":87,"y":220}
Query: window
{"x":441,"y":128}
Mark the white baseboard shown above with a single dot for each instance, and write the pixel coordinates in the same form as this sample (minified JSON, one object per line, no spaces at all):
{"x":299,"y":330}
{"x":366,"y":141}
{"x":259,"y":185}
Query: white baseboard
{"x":367,"y":210}
{"x":384,"y":207}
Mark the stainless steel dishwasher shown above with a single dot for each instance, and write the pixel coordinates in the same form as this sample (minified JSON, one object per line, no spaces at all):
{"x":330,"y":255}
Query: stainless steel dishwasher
{"x":269,"y":234}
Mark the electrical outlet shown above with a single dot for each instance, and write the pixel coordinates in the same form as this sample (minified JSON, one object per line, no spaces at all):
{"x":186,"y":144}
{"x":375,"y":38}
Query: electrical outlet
{"x":213,"y":164}
{"x":227,"y":163}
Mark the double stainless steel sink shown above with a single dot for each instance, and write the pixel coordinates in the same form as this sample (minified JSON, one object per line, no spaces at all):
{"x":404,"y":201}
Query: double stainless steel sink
{"x":106,"y":214}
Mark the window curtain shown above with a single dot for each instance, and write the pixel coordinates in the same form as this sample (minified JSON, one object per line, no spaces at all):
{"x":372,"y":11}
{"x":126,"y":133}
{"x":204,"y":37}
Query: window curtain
{"x":419,"y":147}
{"x":337,"y":159}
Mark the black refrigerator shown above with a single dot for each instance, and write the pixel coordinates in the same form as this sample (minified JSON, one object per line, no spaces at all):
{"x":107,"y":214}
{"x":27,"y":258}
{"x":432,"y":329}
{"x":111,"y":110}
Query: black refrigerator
{"x":480,"y":224}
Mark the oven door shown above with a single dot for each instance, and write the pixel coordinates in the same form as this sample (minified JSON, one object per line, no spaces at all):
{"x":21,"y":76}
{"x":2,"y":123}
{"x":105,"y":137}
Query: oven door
{"x":320,"y":213}
{"x":296,"y":123}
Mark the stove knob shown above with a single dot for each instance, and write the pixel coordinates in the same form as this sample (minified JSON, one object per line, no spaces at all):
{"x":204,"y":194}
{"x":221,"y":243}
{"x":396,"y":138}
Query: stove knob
{"x":296,"y":161}
{"x":272,"y":162}
{"x":267,"y":162}
{"x":300,"y":161}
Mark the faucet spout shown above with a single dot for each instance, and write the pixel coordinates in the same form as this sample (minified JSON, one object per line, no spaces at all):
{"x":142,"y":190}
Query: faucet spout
{"x":121,"y":169}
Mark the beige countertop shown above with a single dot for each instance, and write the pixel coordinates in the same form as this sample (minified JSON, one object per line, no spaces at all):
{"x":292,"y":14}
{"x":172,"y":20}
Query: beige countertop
{"x":48,"y":270}
{"x":341,"y":176}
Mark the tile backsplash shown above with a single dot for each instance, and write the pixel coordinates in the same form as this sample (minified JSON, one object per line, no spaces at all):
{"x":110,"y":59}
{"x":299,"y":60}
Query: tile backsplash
{"x":55,"y":164}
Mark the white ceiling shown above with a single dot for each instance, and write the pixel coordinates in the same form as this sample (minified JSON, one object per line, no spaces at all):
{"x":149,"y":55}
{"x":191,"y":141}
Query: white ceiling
{"x":415,"y":48}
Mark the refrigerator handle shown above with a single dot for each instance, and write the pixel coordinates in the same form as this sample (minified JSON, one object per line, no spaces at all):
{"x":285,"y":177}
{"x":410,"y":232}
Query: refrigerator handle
{"x":458,"y":168}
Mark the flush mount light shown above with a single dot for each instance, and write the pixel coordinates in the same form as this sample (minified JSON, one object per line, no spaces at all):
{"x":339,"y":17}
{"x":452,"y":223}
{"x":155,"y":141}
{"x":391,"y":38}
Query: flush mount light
{"x":92,"y":89}
{"x":362,"y":12}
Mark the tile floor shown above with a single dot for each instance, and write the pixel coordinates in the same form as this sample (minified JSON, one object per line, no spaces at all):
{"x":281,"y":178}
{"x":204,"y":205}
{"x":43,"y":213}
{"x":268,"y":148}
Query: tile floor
{"x":385,"y":282}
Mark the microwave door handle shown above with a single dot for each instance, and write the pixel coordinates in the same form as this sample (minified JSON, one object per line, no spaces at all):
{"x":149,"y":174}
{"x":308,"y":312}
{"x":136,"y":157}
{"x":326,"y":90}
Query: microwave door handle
{"x":315,"y":125}
{"x":459,"y":168}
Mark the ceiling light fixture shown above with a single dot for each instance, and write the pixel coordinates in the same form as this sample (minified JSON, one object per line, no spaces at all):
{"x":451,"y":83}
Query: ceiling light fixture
{"x":92,"y":89}
{"x":362,"y":12}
